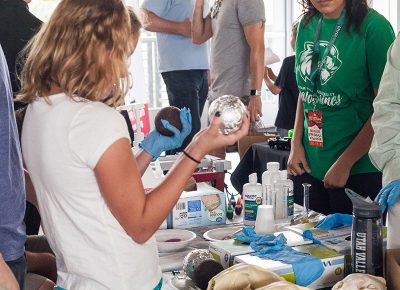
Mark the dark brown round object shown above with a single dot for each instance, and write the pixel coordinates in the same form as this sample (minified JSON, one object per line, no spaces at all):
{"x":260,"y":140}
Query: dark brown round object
{"x":172,"y":115}
{"x":205,"y":272}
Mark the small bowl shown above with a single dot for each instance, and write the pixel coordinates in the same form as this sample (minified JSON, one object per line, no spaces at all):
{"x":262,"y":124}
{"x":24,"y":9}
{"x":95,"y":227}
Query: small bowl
{"x":220,"y":234}
{"x":173,"y":240}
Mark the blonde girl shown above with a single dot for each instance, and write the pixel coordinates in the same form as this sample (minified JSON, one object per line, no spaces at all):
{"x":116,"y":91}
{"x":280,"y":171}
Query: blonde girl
{"x":95,"y":213}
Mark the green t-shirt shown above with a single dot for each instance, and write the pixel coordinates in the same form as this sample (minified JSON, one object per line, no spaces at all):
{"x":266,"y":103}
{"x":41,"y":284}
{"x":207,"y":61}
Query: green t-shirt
{"x":345,"y":93}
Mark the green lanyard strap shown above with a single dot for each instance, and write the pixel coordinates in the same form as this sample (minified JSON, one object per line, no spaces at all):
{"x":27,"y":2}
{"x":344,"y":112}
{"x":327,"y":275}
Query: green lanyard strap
{"x":316,"y":64}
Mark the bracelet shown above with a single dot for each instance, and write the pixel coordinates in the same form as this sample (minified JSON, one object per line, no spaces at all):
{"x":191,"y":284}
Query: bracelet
{"x":190,"y":157}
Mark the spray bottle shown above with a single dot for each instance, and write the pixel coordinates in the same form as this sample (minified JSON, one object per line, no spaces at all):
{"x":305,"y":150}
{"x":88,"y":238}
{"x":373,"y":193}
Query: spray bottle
{"x":252,"y":194}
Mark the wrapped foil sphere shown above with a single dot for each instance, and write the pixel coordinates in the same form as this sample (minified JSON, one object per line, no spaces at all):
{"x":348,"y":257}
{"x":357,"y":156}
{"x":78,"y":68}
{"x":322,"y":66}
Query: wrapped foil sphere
{"x":232,"y":110}
{"x":193,"y":260}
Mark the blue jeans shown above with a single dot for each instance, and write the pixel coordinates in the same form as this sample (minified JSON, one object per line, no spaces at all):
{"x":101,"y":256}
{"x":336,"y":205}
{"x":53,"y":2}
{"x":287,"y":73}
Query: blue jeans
{"x":187,"y":88}
{"x":18,"y":268}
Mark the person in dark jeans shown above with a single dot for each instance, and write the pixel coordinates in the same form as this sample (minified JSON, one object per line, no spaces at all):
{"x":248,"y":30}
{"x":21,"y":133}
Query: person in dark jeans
{"x":188,"y":89}
{"x":12,"y":189}
{"x":17,"y":27}
{"x":182,"y":64}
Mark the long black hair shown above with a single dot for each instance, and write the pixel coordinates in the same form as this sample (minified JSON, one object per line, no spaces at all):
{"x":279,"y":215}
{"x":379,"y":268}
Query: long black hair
{"x":356,"y":10}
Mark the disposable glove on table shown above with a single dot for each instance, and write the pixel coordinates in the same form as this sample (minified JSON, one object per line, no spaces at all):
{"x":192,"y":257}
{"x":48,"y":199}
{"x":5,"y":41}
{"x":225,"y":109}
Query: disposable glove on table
{"x":388,"y":195}
{"x":155,"y":143}
{"x":334,"y":221}
{"x":306,"y":268}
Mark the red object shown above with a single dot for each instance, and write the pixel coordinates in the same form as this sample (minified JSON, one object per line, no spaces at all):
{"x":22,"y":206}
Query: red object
{"x":218,"y":177}
{"x":144,"y":119}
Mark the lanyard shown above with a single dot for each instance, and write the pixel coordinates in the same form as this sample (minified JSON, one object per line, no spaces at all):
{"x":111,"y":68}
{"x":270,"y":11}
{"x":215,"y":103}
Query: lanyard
{"x":316,"y":64}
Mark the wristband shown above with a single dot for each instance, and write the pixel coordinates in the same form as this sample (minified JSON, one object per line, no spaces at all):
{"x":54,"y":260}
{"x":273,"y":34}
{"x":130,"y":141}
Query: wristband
{"x":190,"y":157}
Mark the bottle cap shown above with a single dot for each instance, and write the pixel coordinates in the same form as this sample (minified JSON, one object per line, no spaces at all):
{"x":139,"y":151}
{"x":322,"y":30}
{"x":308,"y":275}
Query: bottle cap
{"x":283,"y":174}
{"x":363,"y":208}
{"x":253,"y":178}
{"x":273,"y":166}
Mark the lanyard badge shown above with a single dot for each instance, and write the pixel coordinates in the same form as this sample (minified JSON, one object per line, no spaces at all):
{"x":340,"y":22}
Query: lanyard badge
{"x":315,"y":137}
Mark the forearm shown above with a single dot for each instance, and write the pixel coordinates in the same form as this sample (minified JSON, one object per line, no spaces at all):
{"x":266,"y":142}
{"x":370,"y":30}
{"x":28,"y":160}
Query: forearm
{"x":143,"y":160}
{"x":271,"y":86}
{"x":257,"y":66}
{"x":161,"y":200}
{"x":359,"y":147}
{"x":298,"y":123}
{"x":157,"y":24}
{"x":201,"y":27}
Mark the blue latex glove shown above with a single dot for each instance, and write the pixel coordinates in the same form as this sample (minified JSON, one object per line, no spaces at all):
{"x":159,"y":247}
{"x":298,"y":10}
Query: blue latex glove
{"x":389,"y":194}
{"x":155,"y":143}
{"x":250,"y":236}
{"x":334,"y":221}
{"x":309,"y":235}
{"x":306,"y":268}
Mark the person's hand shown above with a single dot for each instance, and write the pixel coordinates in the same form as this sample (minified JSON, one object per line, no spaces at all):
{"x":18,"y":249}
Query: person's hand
{"x":337,"y":175}
{"x":7,"y":279}
{"x":266,"y":69}
{"x":212,"y":138}
{"x":255,"y":108}
{"x":155,"y":143}
{"x":388,"y":195}
{"x":334,"y":221}
{"x":297,"y":162}
{"x":186,"y":28}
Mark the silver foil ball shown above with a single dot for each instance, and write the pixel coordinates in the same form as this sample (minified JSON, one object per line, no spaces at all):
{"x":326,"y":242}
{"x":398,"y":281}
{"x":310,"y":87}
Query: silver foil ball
{"x":193,"y":260}
{"x":232,"y":110}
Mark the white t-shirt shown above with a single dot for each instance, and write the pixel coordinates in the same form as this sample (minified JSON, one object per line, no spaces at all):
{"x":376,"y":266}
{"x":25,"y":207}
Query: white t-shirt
{"x":61,"y":145}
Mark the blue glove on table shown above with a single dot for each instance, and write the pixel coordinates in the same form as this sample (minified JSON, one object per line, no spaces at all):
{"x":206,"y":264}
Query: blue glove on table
{"x":305,"y":267}
{"x":309,"y":235}
{"x":155,"y":143}
{"x":334,"y":221}
{"x":389,"y":194}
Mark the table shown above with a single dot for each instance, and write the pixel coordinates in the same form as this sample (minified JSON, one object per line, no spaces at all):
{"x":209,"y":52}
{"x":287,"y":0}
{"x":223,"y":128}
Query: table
{"x":255,"y":160}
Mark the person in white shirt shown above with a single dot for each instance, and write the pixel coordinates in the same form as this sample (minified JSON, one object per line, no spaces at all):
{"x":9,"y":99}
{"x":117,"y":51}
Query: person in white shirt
{"x":96,"y":215}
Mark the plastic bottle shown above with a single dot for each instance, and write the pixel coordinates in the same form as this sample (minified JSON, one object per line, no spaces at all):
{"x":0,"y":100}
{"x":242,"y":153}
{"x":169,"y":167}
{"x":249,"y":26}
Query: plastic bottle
{"x":366,"y":236}
{"x":290,"y":194}
{"x":268,"y":178}
{"x":252,"y":194}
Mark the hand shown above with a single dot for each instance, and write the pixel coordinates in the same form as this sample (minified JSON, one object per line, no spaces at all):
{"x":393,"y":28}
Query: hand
{"x":212,"y":138}
{"x":334,"y":221}
{"x":297,"y":163}
{"x":388,"y":195}
{"x":254,"y":108}
{"x":155,"y":143}
{"x":186,"y":28}
{"x":266,"y":76}
{"x":337,"y":175}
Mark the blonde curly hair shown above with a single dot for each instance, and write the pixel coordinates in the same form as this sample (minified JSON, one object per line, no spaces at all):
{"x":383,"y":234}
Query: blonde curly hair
{"x":83,"y":50}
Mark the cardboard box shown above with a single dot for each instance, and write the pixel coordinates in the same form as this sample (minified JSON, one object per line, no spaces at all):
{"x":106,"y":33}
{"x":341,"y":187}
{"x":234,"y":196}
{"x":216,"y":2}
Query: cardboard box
{"x":333,"y":263}
{"x":393,"y":269}
{"x":250,"y":139}
{"x":225,"y":251}
{"x":204,"y":207}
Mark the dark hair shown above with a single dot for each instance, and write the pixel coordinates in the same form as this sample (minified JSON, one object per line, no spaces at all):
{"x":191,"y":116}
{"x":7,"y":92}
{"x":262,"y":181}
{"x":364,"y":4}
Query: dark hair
{"x":356,"y":10}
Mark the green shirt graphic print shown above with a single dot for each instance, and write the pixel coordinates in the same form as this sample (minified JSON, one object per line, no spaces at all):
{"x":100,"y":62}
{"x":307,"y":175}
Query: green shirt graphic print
{"x":345,"y":88}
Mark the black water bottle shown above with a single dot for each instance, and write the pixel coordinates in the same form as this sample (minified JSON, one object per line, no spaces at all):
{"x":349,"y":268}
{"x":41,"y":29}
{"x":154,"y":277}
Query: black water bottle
{"x":366,"y":236}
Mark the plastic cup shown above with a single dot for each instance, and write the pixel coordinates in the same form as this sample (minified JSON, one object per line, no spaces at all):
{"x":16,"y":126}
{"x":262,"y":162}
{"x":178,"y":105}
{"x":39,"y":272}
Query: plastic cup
{"x":265,"y":223}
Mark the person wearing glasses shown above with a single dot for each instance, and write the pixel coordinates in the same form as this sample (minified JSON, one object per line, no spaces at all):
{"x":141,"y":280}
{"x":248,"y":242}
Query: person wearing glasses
{"x":340,"y":56}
